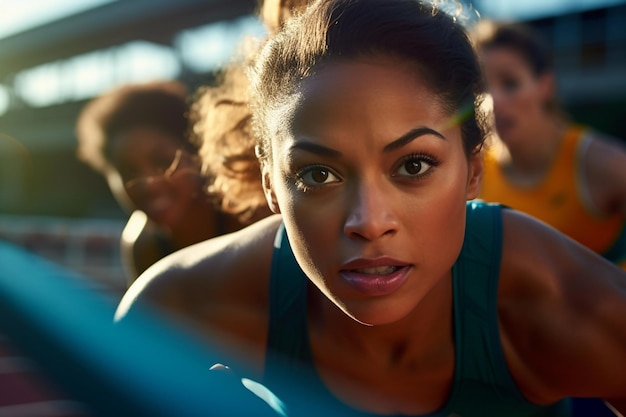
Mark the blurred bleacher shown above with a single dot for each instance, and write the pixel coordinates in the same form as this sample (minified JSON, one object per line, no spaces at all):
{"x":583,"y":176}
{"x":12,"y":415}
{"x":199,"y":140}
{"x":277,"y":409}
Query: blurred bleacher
{"x":88,"y":247}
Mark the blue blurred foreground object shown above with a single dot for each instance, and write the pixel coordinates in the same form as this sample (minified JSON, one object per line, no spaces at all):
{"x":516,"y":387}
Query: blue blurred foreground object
{"x":68,"y":331}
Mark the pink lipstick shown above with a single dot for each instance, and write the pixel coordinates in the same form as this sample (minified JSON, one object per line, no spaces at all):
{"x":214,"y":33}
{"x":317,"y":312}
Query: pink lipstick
{"x":375,"y":277}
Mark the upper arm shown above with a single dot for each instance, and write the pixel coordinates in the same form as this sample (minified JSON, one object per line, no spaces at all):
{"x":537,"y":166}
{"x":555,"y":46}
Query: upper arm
{"x":208,"y":287}
{"x":180,"y":282}
{"x":605,"y":166}
{"x":156,"y":287}
{"x":562,"y":311}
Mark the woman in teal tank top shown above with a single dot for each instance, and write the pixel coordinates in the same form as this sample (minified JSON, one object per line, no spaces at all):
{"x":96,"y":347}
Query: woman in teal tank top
{"x":480,"y":373}
{"x":393,"y":295}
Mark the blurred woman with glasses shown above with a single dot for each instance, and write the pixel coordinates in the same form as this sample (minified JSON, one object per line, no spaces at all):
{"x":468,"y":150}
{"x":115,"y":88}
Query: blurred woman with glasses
{"x":136,"y":136}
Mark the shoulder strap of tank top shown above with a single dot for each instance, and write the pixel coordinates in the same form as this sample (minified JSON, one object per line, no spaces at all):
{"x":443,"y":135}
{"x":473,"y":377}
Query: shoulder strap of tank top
{"x":585,"y":137}
{"x":476,"y":273}
{"x":287,"y":345}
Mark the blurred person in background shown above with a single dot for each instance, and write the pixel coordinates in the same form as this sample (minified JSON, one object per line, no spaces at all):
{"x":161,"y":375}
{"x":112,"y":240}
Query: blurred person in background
{"x":563,"y":173}
{"x":137,"y":137}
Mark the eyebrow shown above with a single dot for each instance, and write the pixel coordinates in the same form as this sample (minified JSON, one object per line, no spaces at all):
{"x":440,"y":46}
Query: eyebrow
{"x":316,"y":149}
{"x":410,"y":136}
{"x":396,"y":144}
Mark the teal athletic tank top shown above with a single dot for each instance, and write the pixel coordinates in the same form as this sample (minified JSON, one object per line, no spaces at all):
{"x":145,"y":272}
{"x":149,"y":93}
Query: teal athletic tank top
{"x":482,"y":387}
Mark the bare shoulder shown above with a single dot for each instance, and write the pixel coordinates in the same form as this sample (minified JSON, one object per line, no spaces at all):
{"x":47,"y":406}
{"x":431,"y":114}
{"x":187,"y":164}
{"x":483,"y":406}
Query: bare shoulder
{"x":561,"y":308}
{"x":219,"y":289}
{"x":605,"y":167}
{"x":232,"y":267}
{"x":606,"y":153}
{"x":605,"y":142}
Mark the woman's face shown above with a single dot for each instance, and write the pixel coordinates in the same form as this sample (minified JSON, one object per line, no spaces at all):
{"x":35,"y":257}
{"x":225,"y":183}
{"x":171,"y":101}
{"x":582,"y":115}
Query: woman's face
{"x":159,"y":177}
{"x":372,"y":181}
{"x":519,"y":96}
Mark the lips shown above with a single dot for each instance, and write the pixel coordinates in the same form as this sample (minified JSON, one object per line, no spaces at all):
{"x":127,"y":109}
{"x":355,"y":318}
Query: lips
{"x":375,"y":277}
{"x":380,"y":270}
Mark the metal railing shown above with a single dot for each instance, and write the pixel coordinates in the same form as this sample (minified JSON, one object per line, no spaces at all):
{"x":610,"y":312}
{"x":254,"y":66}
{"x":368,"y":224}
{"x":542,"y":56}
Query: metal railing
{"x":89,"y":247}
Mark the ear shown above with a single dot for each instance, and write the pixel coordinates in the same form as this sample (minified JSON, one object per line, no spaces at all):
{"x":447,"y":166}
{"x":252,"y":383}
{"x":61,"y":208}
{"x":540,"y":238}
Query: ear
{"x":268,"y":189}
{"x":475,"y":176}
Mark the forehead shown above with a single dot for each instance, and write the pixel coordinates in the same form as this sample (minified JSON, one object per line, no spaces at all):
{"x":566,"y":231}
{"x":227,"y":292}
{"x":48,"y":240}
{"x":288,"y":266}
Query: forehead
{"x":366,"y":92}
{"x":500,"y":59}
{"x":141,"y":141}
{"x":348,"y":71}
{"x":361,"y":103}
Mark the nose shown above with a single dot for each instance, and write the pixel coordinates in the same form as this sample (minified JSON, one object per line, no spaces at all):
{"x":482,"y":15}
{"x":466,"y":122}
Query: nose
{"x":149,"y":184}
{"x":370,"y":215}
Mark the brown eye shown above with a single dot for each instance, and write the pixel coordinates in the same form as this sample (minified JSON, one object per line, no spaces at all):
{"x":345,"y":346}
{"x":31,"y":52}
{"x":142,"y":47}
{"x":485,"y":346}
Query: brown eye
{"x":510,"y":85}
{"x":319,"y":176}
{"x":316,"y":176}
{"x":413,"y":167}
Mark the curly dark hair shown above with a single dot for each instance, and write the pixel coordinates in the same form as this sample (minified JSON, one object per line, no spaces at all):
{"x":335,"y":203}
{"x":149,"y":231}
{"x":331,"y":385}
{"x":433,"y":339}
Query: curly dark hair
{"x":221,"y":123}
{"x":160,"y":105}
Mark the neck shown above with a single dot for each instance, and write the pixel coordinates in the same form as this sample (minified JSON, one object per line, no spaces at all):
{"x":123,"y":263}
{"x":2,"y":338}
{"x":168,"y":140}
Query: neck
{"x":406,"y":367}
{"x":419,"y":334}
{"x":203,"y":226}
{"x":527,"y":165}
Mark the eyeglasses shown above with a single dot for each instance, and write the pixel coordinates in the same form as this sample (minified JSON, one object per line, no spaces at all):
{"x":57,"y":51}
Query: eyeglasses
{"x":166,"y":174}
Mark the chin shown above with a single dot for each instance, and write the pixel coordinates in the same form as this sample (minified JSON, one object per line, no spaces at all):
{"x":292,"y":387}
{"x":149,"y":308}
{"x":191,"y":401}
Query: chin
{"x":381,"y":314}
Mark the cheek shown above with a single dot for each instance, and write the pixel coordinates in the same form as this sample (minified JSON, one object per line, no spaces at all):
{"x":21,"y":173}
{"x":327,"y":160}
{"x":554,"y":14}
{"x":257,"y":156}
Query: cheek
{"x":311,"y":244}
{"x":526,"y":98}
{"x":302,"y":218}
{"x":440,"y":216}
{"x":191,"y":183}
{"x":313,"y":226}
{"x":438,"y":234}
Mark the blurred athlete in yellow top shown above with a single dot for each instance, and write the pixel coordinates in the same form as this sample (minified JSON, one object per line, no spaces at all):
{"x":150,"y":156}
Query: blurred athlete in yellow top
{"x":564,"y":174}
